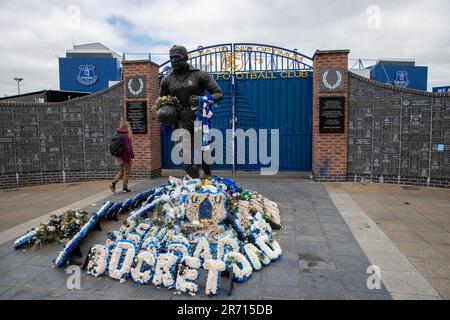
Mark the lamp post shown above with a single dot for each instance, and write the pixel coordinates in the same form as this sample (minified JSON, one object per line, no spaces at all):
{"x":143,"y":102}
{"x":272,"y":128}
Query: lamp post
{"x":18,"y":84}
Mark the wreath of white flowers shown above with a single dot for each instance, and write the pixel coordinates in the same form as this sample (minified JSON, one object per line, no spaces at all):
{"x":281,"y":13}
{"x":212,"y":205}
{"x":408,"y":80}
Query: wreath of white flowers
{"x":227,"y":245}
{"x":242,"y":269}
{"x":164,"y":270}
{"x":152,"y":251}
{"x":143,"y":270}
{"x":256,"y":257}
{"x":141,"y":87}
{"x":187,"y":276}
{"x":98,"y":260}
{"x":270,"y":247}
{"x":136,"y":239}
{"x":338,"y":81}
{"x":122,"y":258}
{"x":215,"y":267}
{"x":203,"y":250}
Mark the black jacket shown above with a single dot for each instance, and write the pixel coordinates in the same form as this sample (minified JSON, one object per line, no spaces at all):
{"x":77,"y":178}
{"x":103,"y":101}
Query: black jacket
{"x":195,"y":82}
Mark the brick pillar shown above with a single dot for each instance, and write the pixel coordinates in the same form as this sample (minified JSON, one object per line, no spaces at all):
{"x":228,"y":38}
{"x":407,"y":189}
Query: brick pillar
{"x":329,"y":149}
{"x":147,"y":147}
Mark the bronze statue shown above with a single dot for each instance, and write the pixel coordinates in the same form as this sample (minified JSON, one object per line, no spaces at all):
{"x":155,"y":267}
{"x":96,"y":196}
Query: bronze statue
{"x":188,"y":85}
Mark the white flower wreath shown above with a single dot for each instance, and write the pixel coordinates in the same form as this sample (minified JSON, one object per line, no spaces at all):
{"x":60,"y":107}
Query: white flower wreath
{"x":98,"y":260}
{"x":188,"y":275}
{"x":143,"y":270}
{"x":214,"y":268}
{"x":226,"y":245}
{"x":180,"y":249}
{"x":203,"y":250}
{"x":164,"y":270}
{"x":136,"y":239}
{"x":121,"y":261}
{"x":242,"y":269}
{"x":143,"y":228}
{"x":256,"y":257}
{"x":152,"y":244}
{"x":270,"y":248}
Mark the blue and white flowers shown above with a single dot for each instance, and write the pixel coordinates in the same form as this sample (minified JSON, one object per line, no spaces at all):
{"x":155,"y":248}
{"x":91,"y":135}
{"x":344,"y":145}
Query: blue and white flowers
{"x":98,"y":260}
{"x":190,"y":228}
{"x":122,"y":258}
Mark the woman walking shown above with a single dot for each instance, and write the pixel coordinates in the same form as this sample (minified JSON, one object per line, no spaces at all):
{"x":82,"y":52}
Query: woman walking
{"x":125,"y":157}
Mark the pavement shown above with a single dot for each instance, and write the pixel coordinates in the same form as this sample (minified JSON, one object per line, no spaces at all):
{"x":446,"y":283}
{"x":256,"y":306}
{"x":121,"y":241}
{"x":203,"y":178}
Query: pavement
{"x":335,"y":234}
{"x":417,"y":222}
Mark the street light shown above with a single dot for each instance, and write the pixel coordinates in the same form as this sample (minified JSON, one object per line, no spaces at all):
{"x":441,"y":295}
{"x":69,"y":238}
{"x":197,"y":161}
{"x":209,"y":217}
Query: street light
{"x":18,"y":84}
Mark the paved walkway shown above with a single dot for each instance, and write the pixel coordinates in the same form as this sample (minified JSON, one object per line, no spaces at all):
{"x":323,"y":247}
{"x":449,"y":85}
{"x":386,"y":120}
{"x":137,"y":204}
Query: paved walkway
{"x":321,"y":258}
{"x":19,"y":205}
{"x":417,"y":221}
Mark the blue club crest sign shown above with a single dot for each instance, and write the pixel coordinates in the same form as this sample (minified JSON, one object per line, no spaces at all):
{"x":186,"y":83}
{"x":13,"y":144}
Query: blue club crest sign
{"x":401,"y":79}
{"x":86,"y":75}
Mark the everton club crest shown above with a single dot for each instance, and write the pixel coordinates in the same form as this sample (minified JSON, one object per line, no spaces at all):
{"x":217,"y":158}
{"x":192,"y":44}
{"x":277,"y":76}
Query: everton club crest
{"x":86,"y":75}
{"x":401,"y":79}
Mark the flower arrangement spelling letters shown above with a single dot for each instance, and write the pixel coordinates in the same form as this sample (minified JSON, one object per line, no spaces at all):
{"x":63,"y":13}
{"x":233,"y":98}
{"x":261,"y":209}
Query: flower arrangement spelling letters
{"x":98,"y":260}
{"x":122,"y":258}
{"x":191,"y":228}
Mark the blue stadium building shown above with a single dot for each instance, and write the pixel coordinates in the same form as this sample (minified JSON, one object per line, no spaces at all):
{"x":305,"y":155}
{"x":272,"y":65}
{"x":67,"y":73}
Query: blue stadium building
{"x":89,"y":68}
{"x":400,"y":73}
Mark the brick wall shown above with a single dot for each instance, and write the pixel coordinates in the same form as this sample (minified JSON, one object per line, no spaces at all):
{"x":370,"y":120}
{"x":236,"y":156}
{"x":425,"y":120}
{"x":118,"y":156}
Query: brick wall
{"x":329,"y":159}
{"x":147,"y":147}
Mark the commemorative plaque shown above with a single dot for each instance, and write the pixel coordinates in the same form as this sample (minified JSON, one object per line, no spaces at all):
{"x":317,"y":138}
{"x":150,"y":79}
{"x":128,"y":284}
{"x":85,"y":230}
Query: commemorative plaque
{"x":136,"y":87}
{"x":332,"y":80}
{"x":332,"y":114}
{"x":137,"y":116}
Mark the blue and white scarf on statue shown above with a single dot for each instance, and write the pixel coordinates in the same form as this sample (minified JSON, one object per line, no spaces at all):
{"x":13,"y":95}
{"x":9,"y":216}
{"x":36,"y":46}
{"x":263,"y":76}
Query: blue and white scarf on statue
{"x":203,"y":120}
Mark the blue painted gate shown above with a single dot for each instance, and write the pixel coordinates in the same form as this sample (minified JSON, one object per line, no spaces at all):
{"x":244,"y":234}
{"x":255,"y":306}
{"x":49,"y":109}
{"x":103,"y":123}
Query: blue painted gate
{"x":265,"y":87}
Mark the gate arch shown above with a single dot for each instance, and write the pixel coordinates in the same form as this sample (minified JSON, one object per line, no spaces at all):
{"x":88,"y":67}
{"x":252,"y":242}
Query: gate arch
{"x":265,"y":87}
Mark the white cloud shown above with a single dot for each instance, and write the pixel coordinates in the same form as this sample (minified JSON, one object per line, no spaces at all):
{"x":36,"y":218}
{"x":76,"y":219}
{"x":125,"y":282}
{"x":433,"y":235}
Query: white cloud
{"x":33,"y":32}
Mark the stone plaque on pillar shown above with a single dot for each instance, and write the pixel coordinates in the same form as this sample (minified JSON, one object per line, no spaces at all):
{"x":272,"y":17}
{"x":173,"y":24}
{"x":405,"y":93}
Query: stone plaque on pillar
{"x":332,"y":80}
{"x":332,"y":114}
{"x":136,"y":87}
{"x":137,"y":116}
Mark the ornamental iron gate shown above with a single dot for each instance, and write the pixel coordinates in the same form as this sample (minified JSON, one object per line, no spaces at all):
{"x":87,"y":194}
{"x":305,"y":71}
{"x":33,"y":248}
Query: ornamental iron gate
{"x":265,"y":87}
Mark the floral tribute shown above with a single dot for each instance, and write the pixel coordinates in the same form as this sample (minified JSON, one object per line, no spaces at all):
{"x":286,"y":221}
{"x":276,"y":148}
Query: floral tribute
{"x":59,"y":228}
{"x":188,"y":227}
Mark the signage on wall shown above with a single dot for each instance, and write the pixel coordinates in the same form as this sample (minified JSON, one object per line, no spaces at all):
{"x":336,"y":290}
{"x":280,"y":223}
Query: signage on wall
{"x":401,"y":79}
{"x":136,"y":87}
{"x":137,"y":116}
{"x":332,"y":114}
{"x":441,"y":89}
{"x":86,"y":75}
{"x":332,"y":80}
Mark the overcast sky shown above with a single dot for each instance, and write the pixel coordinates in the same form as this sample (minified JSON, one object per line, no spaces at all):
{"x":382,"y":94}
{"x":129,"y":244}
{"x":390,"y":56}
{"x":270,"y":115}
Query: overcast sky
{"x":35,"y":33}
